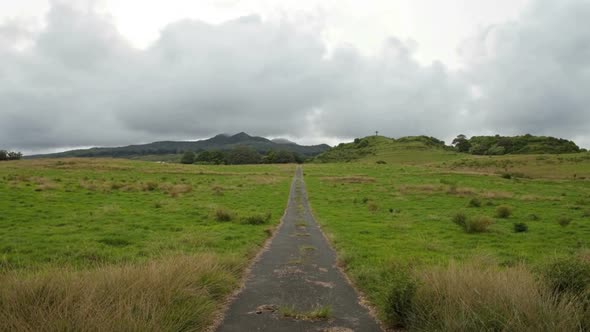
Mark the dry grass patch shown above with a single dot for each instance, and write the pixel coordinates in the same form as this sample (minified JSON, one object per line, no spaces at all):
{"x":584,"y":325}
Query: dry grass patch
{"x":174,"y":294}
{"x":420,"y":188}
{"x":496,"y":194}
{"x":479,"y":297}
{"x":178,"y":189}
{"x":349,"y":179}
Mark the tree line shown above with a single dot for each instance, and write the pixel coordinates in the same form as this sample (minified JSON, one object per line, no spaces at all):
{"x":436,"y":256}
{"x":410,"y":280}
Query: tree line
{"x":241,"y":155}
{"x":10,"y":155}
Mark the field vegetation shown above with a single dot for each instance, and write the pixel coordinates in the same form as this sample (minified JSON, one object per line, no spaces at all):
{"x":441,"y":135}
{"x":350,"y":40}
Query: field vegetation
{"x":439,"y":240}
{"x":103,"y":244}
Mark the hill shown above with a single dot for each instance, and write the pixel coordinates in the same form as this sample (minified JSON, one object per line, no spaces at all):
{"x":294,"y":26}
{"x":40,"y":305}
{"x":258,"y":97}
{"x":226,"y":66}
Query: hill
{"x":410,"y":150}
{"x":525,"y":144}
{"x":170,"y":149}
{"x":425,"y":149}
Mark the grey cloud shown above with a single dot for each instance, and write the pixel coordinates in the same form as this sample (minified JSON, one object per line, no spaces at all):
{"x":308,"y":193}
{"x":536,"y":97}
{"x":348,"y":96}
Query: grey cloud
{"x":81,"y":83}
{"x":534,"y":73}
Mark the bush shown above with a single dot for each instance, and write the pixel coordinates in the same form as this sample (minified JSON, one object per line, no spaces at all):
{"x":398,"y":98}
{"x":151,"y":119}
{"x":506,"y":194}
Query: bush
{"x":569,"y":275}
{"x":460,"y":219}
{"x":503,"y":211}
{"x":472,"y":225}
{"x":506,"y":176}
{"x":223,"y":215}
{"x":381,"y":162}
{"x":478,"y":224}
{"x":564,"y":221}
{"x":474,"y":202}
{"x":520,"y":227}
{"x":188,"y":157}
{"x":258,"y":219}
{"x":398,"y":302}
{"x":372,"y":206}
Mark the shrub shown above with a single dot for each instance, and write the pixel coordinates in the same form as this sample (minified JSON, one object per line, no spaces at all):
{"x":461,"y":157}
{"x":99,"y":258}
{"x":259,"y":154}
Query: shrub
{"x":503,"y":211}
{"x":564,"y":221}
{"x":474,"y":202}
{"x":460,"y":219}
{"x":258,"y":219}
{"x":506,"y":176}
{"x":223,"y":215}
{"x":520,"y":227}
{"x":381,"y":162}
{"x":150,"y":186}
{"x":472,"y":225}
{"x":569,"y":275}
{"x":188,"y":157}
{"x":399,"y":298}
{"x":372,"y":206}
{"x":478,"y":224}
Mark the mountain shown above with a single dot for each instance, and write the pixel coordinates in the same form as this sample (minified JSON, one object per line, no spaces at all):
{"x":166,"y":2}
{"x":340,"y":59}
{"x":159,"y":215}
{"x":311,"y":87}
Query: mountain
{"x":282,"y":141}
{"x":219,"y":142}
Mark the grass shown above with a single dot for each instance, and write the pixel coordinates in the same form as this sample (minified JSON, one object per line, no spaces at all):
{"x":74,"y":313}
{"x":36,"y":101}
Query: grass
{"x":478,"y":297}
{"x":426,"y":193}
{"x":317,"y":313}
{"x":179,"y":293}
{"x":89,"y":243}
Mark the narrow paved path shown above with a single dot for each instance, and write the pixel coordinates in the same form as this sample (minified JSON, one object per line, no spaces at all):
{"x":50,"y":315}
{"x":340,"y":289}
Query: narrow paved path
{"x":296,"y":276}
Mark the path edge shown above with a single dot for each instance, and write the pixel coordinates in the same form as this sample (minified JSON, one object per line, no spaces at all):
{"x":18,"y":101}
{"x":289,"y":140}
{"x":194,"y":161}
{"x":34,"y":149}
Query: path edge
{"x":362,"y":297}
{"x":220,"y":316}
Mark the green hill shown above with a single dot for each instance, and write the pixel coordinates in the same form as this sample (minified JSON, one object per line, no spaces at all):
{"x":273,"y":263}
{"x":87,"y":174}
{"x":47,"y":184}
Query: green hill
{"x":406,"y":150}
{"x":171,"y":149}
{"x":525,"y":144}
{"x":428,"y":150}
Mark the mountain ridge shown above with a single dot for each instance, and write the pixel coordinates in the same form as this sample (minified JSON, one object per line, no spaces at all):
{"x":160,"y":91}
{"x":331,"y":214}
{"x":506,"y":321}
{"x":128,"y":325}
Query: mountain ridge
{"x":217,"y":142}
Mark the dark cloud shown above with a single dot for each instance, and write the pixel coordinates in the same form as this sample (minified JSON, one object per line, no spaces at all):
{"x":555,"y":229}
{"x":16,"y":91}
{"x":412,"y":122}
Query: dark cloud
{"x":81,"y":83}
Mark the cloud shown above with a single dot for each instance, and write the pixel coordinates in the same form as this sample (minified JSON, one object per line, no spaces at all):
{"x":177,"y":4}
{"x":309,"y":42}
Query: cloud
{"x":534,"y":73}
{"x":80,"y":83}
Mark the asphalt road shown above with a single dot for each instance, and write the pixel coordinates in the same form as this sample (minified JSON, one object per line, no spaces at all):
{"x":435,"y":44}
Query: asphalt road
{"x":296,"y":275}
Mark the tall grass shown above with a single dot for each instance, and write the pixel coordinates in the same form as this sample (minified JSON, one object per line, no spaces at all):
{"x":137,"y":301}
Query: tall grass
{"x":180,"y":293}
{"x":478,"y":297}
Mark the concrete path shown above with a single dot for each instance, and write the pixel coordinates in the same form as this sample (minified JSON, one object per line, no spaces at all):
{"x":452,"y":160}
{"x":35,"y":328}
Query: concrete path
{"x":296,"y":286}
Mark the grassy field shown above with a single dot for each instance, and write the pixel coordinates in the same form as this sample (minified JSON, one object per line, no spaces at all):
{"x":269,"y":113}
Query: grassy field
{"x":84,"y":242}
{"x":438,"y":241}
{"x":395,"y":225}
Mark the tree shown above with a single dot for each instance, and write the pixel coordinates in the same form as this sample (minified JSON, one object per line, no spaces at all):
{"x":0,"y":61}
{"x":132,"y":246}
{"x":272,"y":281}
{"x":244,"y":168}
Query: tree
{"x":284,"y":157}
{"x":14,"y":155}
{"x":188,"y":157}
{"x":10,"y":155}
{"x":204,"y":157}
{"x":243,"y":155}
{"x":461,"y":143}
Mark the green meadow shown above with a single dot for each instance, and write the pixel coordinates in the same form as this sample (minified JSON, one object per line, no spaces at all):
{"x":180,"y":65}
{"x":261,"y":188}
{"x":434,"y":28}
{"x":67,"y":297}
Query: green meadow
{"x":395,"y":216}
{"x":89,"y":224}
{"x":435,"y":240}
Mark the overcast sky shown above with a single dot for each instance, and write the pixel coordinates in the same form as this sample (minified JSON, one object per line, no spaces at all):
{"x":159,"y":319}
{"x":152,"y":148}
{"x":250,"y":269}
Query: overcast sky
{"x":116,"y":72}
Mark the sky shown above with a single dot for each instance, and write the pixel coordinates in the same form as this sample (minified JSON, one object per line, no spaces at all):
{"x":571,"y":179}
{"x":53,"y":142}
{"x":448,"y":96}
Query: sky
{"x":116,"y":72}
